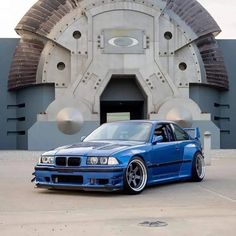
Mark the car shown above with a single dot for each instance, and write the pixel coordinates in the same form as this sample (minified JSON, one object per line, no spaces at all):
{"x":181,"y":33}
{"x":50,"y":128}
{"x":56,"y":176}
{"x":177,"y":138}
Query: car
{"x":124,"y":156}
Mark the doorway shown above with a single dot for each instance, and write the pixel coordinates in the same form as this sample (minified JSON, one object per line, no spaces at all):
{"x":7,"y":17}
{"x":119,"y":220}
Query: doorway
{"x":123,"y":99}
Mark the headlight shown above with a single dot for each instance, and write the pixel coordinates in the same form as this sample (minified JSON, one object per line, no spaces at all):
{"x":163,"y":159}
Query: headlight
{"x":47,"y":160}
{"x":112,"y":161}
{"x":102,"y":161}
{"x":92,"y":161}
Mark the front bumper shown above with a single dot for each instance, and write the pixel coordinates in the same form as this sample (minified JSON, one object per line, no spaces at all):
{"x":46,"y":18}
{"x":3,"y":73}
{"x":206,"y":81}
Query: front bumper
{"x":81,"y":178}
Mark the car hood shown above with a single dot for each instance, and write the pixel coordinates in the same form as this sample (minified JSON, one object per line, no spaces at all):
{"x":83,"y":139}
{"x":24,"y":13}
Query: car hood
{"x":93,"y":148}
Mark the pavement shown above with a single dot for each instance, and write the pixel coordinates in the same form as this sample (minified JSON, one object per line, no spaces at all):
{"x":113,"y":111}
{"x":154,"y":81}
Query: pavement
{"x":178,"y":209}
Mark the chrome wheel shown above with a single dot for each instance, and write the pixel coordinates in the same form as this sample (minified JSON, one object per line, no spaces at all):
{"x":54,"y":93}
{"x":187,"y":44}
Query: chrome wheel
{"x":198,"y":168}
{"x":136,"y":176}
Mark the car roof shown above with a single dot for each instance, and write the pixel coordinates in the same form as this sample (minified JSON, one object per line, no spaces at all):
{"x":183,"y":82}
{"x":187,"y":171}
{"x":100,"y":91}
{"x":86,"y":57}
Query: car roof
{"x":146,"y":121}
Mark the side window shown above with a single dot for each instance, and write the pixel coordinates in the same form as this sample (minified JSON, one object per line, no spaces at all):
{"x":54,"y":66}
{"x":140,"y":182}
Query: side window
{"x":169,"y":133}
{"x":180,"y":134}
{"x":165,"y":131}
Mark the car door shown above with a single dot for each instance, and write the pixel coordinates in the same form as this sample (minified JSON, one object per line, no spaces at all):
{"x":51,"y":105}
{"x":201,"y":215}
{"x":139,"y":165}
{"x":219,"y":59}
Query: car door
{"x":182,"y":138}
{"x":165,"y":156}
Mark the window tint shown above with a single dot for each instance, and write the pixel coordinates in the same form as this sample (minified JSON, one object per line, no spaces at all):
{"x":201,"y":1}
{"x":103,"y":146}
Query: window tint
{"x":165,"y":131}
{"x":180,"y":134}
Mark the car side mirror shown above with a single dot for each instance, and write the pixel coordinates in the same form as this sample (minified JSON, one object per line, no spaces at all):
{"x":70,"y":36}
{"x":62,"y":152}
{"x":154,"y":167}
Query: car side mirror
{"x":82,"y":138}
{"x":157,"y":139}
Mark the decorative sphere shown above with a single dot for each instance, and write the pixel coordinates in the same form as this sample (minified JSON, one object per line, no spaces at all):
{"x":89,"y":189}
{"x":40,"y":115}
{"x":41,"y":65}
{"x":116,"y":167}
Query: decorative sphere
{"x":181,"y":116}
{"x":69,"y":121}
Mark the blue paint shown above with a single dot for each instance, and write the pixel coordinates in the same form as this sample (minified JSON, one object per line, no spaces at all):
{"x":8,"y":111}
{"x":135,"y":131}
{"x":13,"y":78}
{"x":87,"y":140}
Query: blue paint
{"x":164,"y":161}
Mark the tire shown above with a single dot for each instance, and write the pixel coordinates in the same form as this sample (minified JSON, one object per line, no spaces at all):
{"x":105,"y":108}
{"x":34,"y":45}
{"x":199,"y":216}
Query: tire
{"x":135,"y":179}
{"x":198,"y":168}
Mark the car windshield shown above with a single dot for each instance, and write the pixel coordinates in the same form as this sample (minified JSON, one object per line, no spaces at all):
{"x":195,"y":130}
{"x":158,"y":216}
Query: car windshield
{"x":127,"y":131}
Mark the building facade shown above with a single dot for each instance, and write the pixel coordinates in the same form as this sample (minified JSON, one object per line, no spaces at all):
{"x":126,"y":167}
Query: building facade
{"x":82,"y":63}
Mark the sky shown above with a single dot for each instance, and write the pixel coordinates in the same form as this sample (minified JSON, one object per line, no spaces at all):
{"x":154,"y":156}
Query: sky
{"x":223,"y":11}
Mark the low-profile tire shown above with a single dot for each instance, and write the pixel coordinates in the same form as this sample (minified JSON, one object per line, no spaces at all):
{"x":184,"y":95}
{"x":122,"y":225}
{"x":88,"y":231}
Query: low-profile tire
{"x":198,"y":167}
{"x":135,"y":178}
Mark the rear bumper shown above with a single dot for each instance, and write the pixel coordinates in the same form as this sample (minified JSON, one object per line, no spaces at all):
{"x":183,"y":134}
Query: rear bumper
{"x":87,"y":179}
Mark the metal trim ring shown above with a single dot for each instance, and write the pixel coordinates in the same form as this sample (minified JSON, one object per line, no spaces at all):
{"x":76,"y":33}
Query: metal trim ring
{"x":136,"y":175}
{"x":200,"y":166}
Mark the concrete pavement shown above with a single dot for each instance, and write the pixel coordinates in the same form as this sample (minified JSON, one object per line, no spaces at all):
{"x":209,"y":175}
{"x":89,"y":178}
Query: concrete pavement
{"x":201,"y":209}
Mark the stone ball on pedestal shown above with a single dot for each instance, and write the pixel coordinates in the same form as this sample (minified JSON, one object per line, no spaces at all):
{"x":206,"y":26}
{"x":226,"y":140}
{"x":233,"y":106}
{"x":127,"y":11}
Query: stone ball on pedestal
{"x":69,"y":120}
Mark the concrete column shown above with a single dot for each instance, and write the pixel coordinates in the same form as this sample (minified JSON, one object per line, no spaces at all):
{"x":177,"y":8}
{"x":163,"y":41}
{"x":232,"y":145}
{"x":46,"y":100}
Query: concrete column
{"x":207,"y":148}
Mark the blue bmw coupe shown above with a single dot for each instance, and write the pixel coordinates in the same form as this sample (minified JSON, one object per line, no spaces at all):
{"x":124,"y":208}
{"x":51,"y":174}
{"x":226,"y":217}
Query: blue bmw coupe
{"x":127,"y":155}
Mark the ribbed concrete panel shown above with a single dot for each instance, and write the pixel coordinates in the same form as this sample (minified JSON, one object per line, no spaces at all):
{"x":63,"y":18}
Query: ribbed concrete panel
{"x":194,"y":15}
{"x":44,"y":15}
{"x":25,"y":63}
{"x":204,"y":26}
{"x":213,"y":60}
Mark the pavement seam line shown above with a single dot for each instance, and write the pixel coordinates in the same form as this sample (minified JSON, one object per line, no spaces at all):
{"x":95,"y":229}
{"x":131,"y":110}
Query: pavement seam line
{"x":218,"y":194}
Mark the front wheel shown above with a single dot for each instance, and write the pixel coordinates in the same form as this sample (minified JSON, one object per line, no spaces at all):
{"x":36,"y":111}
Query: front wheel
{"x":135,"y":178}
{"x":198,"y":168}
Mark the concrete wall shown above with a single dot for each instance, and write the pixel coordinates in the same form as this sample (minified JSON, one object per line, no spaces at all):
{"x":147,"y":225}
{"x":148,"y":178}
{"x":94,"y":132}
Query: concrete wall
{"x":18,"y":110}
{"x":36,"y":100}
{"x":19,"y":119}
{"x":46,"y":136}
{"x":206,"y":97}
{"x":7,"y":139}
{"x":212,"y":128}
{"x":221,"y":104}
{"x":228,"y":107}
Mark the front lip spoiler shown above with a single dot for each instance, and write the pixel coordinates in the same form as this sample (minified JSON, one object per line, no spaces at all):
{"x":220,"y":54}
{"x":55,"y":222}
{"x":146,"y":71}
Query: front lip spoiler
{"x":83,"y":188}
{"x":83,"y":169}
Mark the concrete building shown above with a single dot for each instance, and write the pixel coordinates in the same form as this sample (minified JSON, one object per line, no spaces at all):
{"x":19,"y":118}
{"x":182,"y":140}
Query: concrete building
{"x":80,"y":63}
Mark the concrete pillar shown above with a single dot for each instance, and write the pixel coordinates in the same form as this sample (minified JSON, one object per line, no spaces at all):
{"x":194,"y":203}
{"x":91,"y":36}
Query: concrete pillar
{"x":207,"y":148}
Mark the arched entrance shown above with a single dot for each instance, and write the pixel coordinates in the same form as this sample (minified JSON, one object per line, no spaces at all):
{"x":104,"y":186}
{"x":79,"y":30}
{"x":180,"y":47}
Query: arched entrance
{"x":123,"y":99}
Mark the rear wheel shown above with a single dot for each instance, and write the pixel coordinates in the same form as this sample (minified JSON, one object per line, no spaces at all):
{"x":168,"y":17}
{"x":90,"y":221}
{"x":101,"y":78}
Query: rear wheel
{"x":198,"y":168}
{"x":135,"y":176}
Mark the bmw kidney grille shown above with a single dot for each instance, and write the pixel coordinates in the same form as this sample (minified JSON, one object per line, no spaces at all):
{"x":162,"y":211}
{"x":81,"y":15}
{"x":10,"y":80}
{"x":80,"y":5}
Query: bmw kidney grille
{"x":68,"y":161}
